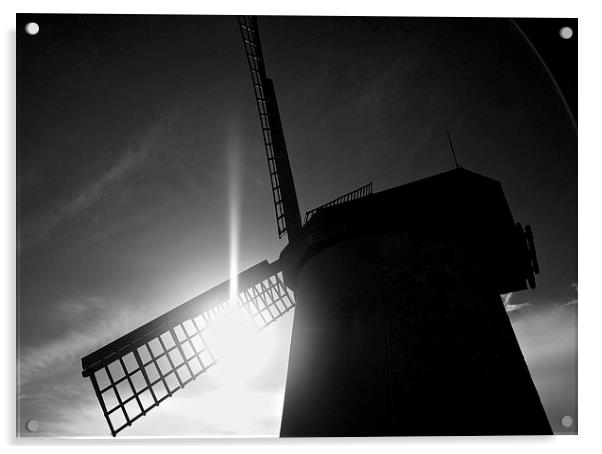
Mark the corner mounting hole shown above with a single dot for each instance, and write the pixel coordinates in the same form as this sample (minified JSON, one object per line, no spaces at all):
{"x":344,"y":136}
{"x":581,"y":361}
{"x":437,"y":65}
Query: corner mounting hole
{"x":32,"y":28}
{"x":566,"y":421}
{"x":566,"y":32}
{"x":32,"y":425}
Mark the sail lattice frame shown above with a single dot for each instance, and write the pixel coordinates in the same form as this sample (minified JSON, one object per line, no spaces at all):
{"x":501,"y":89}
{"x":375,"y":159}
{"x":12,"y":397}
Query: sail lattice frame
{"x":139,"y":371}
{"x":286,"y":206}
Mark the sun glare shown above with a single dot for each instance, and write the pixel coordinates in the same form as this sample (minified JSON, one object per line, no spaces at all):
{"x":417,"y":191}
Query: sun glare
{"x":243,"y":353}
{"x":234,"y":212}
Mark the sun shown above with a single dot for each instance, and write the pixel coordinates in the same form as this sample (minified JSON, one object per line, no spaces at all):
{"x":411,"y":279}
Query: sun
{"x":242,"y":352}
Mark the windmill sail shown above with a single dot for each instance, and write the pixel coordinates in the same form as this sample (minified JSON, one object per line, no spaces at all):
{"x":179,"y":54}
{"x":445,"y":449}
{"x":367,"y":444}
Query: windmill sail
{"x":138,"y":371}
{"x":288,"y":217}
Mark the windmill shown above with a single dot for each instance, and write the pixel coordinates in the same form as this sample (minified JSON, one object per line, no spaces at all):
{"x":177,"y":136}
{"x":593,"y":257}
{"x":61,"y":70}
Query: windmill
{"x":354,"y":264}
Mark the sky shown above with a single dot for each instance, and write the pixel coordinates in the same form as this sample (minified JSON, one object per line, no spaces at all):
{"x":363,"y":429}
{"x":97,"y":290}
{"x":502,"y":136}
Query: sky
{"x":132,"y":132}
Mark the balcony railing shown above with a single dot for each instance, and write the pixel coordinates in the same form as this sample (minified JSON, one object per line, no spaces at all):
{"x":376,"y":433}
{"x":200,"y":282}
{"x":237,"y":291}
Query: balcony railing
{"x":353,"y":195}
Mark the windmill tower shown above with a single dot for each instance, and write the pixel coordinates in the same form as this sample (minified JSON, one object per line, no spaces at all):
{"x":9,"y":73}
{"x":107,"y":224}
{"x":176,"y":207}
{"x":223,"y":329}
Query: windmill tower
{"x":399,"y":327}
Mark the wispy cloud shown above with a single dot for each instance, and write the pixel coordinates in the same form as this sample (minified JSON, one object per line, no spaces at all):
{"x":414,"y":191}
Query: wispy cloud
{"x":547,"y":334}
{"x":96,"y":328}
{"x":506,"y":298}
{"x":516,"y":307}
{"x":573,"y":300}
{"x":129,"y":161}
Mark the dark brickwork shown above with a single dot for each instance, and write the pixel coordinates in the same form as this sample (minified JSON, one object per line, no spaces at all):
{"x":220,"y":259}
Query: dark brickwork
{"x":455,"y":364}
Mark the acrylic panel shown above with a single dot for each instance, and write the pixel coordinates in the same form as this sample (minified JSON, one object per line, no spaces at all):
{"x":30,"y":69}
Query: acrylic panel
{"x":169,"y":283}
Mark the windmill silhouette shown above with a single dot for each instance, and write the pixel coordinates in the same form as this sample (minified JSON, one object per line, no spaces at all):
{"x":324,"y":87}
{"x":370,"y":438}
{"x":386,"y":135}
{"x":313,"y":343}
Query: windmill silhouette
{"x":399,"y":328}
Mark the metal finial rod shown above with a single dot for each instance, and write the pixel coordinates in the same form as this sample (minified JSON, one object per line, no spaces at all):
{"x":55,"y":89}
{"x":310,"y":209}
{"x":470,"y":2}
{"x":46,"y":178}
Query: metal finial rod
{"x":451,"y":145}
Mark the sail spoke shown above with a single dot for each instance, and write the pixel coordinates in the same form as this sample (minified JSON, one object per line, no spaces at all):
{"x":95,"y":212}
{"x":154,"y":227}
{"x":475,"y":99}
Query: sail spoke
{"x":288,"y":217}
